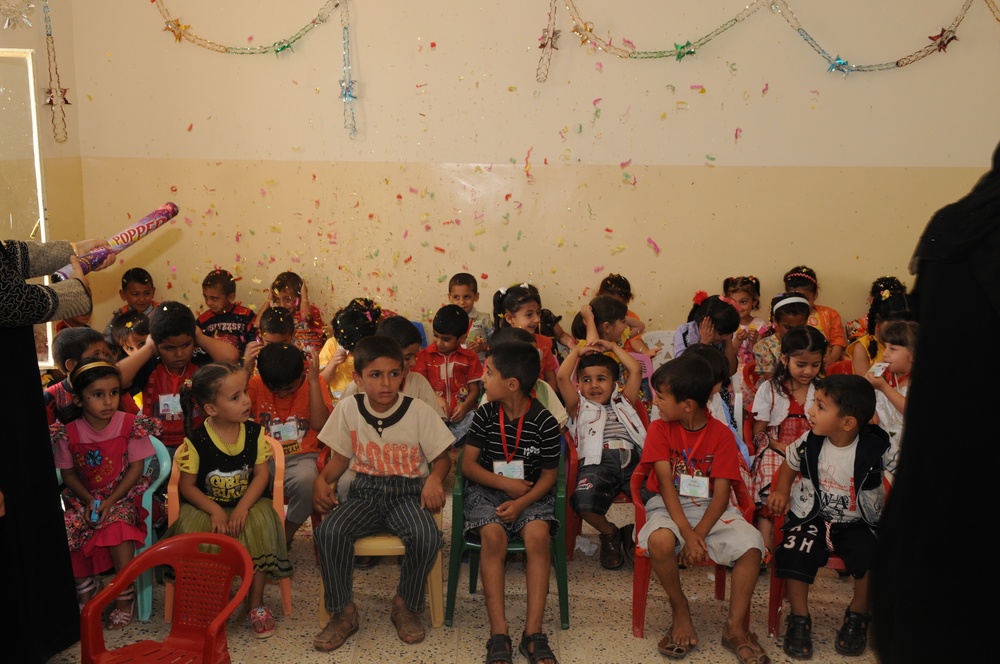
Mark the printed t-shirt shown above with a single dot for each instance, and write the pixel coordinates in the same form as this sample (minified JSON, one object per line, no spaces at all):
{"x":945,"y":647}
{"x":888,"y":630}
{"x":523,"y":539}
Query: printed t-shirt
{"x":235,"y":327}
{"x":286,"y":419}
{"x":715,"y":455}
{"x":449,"y":375}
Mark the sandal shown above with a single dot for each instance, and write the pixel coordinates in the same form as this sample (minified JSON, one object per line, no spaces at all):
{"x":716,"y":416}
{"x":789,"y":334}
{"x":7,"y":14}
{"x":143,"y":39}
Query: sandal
{"x":668,"y":648}
{"x":541,"y":650}
{"x":119,"y":619}
{"x":499,"y":649}
{"x":91,"y":585}
{"x":852,"y":638}
{"x":746,"y":648}
{"x":259,"y":619}
{"x":337,"y":631}
{"x":409,"y":629}
{"x":798,"y":637}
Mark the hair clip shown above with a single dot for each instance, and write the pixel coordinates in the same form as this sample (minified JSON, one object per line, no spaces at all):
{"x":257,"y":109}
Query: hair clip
{"x":503,"y":291}
{"x":699,"y":297}
{"x":526,"y":286}
{"x":802,"y":275}
{"x":728,"y":300}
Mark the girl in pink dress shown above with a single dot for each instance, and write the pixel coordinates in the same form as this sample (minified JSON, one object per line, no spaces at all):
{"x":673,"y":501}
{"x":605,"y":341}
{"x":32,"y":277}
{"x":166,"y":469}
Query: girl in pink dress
{"x":100,"y":451}
{"x":779,"y":412}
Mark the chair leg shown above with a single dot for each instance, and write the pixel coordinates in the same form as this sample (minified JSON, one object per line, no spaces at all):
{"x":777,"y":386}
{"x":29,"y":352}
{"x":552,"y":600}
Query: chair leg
{"x":574,"y":526}
{"x":774,"y":604}
{"x":454,"y":567}
{"x":435,"y":588}
{"x":720,"y":582}
{"x":323,"y":615}
{"x":286,"y":595}
{"x":144,"y":596}
{"x":562,"y":580}
{"x":641,"y":572}
{"x":473,"y":570}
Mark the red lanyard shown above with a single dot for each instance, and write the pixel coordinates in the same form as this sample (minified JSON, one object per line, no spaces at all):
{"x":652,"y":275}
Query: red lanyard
{"x":176,"y":381}
{"x":688,"y":454}
{"x":503,"y":435}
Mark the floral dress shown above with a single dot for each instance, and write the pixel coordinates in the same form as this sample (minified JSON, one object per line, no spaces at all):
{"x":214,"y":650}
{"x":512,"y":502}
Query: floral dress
{"x":101,"y":459}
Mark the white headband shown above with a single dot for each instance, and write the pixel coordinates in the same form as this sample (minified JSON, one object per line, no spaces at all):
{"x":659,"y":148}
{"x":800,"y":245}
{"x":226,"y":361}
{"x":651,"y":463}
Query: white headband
{"x":790,"y":300}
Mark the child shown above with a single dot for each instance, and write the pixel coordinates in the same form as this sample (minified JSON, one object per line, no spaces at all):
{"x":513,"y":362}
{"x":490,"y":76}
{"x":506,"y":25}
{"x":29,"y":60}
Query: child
{"x":70,"y":347}
{"x":276,"y":326}
{"x":779,"y":411}
{"x":846,"y":469}
{"x":893,"y":383}
{"x":101,"y":451}
{"x":745,"y":293}
{"x":83,"y":320}
{"x":721,"y":403}
{"x":138,"y":292}
{"x":388,"y":440}
{"x":604,"y":317}
{"x":289,"y":292}
{"x":518,"y":306}
{"x":357,"y":320}
{"x":175,"y":336}
{"x":548,"y":325}
{"x":619,"y":288}
{"x":463,"y":290}
{"x":689,"y":520}
{"x":867,"y":349}
{"x":713,"y":321}
{"x":542,"y":391}
{"x":882,"y":288}
{"x":788,"y":310}
{"x":510,"y":462}
{"x":608,"y":435}
{"x":292,"y":403}
{"x":225,"y":318}
{"x":129,"y":332}
{"x":453,"y":372}
{"x":224,"y":475}
{"x":801,"y":279}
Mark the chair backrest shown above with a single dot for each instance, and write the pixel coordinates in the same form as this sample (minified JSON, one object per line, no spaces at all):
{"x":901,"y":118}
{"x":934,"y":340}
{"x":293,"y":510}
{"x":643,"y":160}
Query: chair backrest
{"x":642,"y":412}
{"x":423,"y":332}
{"x":278,"y":480}
{"x":663,"y":341}
{"x":840,"y":367}
{"x":163,"y":459}
{"x":750,"y":377}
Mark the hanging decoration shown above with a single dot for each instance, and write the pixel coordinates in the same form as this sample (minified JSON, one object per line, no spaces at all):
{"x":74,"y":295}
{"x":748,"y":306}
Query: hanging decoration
{"x":55,"y":94}
{"x":547,"y":42}
{"x":347,"y":84}
{"x":182,"y":31}
{"x":585,"y":30}
{"x":16,"y":13}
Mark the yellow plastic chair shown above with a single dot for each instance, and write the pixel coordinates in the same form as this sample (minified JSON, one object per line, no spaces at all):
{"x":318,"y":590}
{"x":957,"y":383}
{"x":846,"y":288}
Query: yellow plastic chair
{"x":277,"y":500}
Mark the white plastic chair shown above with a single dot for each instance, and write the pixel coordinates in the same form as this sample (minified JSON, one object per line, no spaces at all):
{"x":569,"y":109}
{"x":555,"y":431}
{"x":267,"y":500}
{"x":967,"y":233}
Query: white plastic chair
{"x":663,"y":341}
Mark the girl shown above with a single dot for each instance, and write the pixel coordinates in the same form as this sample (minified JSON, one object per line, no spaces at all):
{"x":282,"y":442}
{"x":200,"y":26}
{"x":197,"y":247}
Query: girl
{"x":100,"y":451}
{"x":619,"y":288}
{"x":519,"y":306}
{"x":603,"y":318}
{"x":788,"y":311}
{"x":779,"y":411}
{"x":745,"y":293}
{"x":288,"y":291}
{"x":224,"y":473}
{"x":712,"y":320}
{"x":548,"y":326}
{"x":801,"y":279}
{"x":892,"y":382}
{"x":885,"y":305}
{"x":881,"y":288}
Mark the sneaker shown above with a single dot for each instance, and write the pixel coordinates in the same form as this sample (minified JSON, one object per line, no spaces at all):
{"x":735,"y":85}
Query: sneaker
{"x":798,"y":637}
{"x":611,"y":551}
{"x":627,"y":544}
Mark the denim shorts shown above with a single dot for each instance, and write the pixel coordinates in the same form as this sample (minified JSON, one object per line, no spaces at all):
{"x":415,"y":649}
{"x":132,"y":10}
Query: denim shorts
{"x":481,"y":505}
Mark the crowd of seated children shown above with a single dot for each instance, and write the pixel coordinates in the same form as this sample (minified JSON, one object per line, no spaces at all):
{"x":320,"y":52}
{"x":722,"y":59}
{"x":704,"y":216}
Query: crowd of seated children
{"x":802,"y":279}
{"x":546,"y":395}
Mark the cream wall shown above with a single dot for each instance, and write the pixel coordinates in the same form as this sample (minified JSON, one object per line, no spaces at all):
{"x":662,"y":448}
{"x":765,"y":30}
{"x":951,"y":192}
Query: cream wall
{"x":464,"y":162}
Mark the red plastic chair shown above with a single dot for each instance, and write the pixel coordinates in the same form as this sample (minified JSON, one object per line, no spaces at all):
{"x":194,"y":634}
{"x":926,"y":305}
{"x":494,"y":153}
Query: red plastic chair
{"x":840,"y":367}
{"x":643,"y":565}
{"x":574,"y":524}
{"x":205,"y":565}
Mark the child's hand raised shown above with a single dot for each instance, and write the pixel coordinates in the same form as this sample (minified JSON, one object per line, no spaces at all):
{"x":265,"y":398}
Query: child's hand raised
{"x":251,"y":352}
{"x":599,"y":346}
{"x":313,"y":362}
{"x":706,"y":330}
{"x":339,"y":357}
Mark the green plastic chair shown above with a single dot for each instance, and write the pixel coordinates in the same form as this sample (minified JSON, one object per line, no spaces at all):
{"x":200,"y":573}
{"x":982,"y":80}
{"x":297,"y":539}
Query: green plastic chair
{"x":459,"y":546}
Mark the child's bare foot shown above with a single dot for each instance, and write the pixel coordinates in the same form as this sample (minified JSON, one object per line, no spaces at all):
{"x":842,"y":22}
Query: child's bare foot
{"x":681,"y":638}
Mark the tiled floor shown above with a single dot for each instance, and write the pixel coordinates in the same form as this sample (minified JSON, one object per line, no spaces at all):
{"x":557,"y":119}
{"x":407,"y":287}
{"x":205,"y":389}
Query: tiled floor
{"x":600,"y":617}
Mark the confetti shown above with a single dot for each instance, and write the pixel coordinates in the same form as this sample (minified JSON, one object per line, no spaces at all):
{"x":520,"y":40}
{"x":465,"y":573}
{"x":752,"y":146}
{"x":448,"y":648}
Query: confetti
{"x":697,"y":87}
{"x":599,"y":66}
{"x":440,"y":250}
{"x":434,"y":44}
{"x":736,"y":135}
{"x":484,"y":276}
{"x":625,"y":164}
{"x":709,"y":157}
{"x":655,"y":247}
{"x":414,"y":190}
{"x":407,"y":259}
{"x":598,"y":101}
{"x":173,"y":189}
{"x":628,"y":43}
{"x":511,"y":88}
{"x":672,"y":89}
{"x":191,"y":126}
{"x":599,"y":268}
{"x":609,"y":230}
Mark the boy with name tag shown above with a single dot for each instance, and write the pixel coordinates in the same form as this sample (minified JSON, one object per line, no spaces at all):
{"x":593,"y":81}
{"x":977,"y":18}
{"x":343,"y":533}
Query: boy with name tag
{"x":511,"y":463}
{"x":689,"y":519}
{"x":292,"y":403}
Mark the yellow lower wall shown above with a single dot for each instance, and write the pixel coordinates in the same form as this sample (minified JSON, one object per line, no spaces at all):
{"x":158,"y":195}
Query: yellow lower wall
{"x":396,"y":231}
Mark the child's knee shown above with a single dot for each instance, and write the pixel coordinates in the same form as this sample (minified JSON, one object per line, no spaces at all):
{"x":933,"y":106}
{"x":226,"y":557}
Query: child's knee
{"x":536,"y":535}
{"x":493,"y":537}
{"x":662,"y":543}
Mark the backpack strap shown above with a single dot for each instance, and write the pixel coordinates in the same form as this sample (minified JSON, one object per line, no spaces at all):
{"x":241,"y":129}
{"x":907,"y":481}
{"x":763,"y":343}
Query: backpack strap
{"x":382,"y":423}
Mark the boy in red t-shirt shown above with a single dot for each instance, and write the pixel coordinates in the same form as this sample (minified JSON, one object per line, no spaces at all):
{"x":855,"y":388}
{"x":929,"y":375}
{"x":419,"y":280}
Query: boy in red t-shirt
{"x":690,"y":520}
{"x":292,"y":403}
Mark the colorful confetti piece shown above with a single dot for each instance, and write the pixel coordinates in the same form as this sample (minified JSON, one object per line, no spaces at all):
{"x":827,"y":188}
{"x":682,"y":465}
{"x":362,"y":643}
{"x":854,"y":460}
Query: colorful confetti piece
{"x":652,"y":243}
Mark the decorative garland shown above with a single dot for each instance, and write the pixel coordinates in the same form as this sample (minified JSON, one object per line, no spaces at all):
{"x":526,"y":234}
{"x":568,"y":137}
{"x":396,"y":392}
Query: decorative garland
{"x":347,"y":91}
{"x":182,"y":31}
{"x":585,"y":30}
{"x":55,"y":94}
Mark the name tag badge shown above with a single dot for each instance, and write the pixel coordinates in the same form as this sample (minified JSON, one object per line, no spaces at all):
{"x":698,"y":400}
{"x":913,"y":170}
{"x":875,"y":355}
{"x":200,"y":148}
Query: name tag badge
{"x":693,"y":486}
{"x":513,"y":470}
{"x":288,"y":431}
{"x":170,"y":404}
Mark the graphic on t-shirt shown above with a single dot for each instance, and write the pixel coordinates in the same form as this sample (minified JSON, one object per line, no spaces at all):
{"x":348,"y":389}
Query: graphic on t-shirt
{"x":228,"y":487}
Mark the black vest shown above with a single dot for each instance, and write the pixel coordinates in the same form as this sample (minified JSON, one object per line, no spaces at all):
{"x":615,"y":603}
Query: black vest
{"x":221,"y":477}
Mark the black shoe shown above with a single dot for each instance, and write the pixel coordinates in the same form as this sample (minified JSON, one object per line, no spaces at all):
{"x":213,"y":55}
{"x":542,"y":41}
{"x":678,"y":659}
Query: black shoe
{"x":611,"y":551}
{"x":852,"y":638}
{"x":628,"y":544}
{"x":365,"y":562}
{"x":798,"y":637}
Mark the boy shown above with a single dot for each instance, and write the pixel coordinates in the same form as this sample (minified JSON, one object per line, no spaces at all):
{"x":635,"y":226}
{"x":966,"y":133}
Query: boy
{"x":608,"y":434}
{"x":137,"y":292}
{"x":276,"y":325}
{"x":70,"y":347}
{"x":388,"y":439}
{"x":225,"y":318}
{"x":289,"y":291}
{"x":463,"y":290}
{"x":689,"y":520}
{"x":129,"y":332}
{"x":164,"y":366}
{"x":846,"y":466}
{"x":292,"y":404}
{"x":357,"y":320}
{"x":511,"y":462}
{"x":453,"y":372}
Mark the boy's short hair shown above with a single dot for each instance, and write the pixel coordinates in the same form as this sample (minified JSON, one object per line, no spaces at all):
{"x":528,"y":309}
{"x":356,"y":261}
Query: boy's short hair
{"x":280,"y":365}
{"x":129,"y":323}
{"x":221,"y":279}
{"x":463,"y":279}
{"x":506,"y":335}
{"x":171,"y":319}
{"x":400,"y":329}
{"x":72,"y":342}
{"x":600,"y":360}
{"x":136,"y":275}
{"x":716,"y":360}
{"x":452,"y":320}
{"x":854,"y":396}
{"x":276,"y":320}
{"x":287,"y":280}
{"x":357,"y":320}
{"x":518,"y":360}
{"x":687,"y":377}
{"x":369,"y":349}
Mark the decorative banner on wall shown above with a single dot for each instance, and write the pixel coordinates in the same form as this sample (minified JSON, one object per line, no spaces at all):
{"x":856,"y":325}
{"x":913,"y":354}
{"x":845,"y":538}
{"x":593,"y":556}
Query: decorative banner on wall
{"x":585,"y":31}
